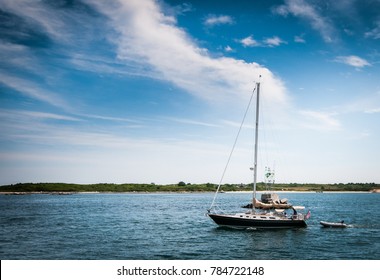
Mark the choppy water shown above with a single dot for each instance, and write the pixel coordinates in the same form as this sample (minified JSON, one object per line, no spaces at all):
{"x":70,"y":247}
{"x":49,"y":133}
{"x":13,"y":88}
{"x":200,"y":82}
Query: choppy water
{"x":173,"y":226}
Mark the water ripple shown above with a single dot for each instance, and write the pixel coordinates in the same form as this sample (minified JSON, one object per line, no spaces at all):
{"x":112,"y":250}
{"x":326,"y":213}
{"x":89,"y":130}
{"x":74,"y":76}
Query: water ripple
{"x":173,"y":226}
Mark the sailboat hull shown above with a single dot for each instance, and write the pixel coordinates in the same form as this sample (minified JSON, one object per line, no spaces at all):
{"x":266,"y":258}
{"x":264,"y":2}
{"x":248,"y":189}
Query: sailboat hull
{"x":237,"y":221}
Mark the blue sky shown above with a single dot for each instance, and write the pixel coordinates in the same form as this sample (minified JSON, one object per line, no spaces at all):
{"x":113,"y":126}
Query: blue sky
{"x":154,"y":91}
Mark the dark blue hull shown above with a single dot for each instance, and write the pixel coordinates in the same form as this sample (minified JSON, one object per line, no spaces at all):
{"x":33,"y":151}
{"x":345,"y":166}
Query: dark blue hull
{"x":241,"y":222}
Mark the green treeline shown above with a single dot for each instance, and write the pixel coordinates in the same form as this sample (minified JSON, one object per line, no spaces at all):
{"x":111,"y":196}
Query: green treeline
{"x":181,"y":187}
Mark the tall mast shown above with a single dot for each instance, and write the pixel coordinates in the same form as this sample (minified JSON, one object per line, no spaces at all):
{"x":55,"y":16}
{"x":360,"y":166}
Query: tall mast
{"x":256,"y":144}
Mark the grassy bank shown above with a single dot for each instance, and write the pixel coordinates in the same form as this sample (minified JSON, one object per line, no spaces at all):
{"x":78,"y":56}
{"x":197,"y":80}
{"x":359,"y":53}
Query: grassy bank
{"x":180,"y":187}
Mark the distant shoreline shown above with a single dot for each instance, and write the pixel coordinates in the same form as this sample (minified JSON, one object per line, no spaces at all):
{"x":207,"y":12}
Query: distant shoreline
{"x":181,"y":187}
{"x":172,"y":192}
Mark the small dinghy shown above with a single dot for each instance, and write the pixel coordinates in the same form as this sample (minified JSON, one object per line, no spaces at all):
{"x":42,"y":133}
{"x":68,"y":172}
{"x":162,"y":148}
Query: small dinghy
{"x":334,"y":225}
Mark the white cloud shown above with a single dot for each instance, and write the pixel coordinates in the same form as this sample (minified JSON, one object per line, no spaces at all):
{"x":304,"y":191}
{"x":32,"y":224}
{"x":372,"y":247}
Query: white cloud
{"x":274,"y":41}
{"x":353,"y":60}
{"x":183,"y":8}
{"x":282,"y":10}
{"x":299,"y":39}
{"x":249,"y":42}
{"x":149,"y":37}
{"x":212,"y":20}
{"x":228,"y":49}
{"x":303,"y":9}
{"x":268,"y":42}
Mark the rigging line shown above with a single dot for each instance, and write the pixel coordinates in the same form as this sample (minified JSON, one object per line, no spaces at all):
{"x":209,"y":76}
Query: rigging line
{"x":266,"y":143}
{"x":233,"y":148}
{"x":264,"y":126}
{"x":270,"y":130}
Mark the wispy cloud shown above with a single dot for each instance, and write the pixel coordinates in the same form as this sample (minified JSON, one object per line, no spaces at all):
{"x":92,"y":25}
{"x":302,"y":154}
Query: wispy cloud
{"x":237,"y":124}
{"x":147,"y":34}
{"x":183,"y":8}
{"x":36,"y":115}
{"x":212,"y":20}
{"x":193,"y":122}
{"x":33,"y":91}
{"x":105,"y":65}
{"x":319,"y":120}
{"x":306,"y":11}
{"x":148,"y":43}
{"x":104,"y":150}
{"x":52,"y":19}
{"x":375,"y":32}
{"x":37,"y":14}
{"x":44,"y":128}
{"x":368,"y":103}
{"x":108,"y":118}
{"x":16,"y":55}
{"x":353,"y":60}
{"x":372,"y":111}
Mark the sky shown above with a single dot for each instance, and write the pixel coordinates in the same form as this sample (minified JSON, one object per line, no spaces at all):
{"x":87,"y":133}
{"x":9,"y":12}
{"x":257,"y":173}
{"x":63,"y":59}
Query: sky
{"x":144,"y":91}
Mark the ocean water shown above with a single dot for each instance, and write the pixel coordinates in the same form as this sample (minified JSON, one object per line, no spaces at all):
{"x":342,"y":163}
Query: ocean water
{"x":174,"y":226}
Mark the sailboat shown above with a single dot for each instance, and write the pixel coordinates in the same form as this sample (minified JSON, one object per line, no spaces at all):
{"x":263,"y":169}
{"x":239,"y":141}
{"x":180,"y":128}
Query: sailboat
{"x":264,"y":214}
